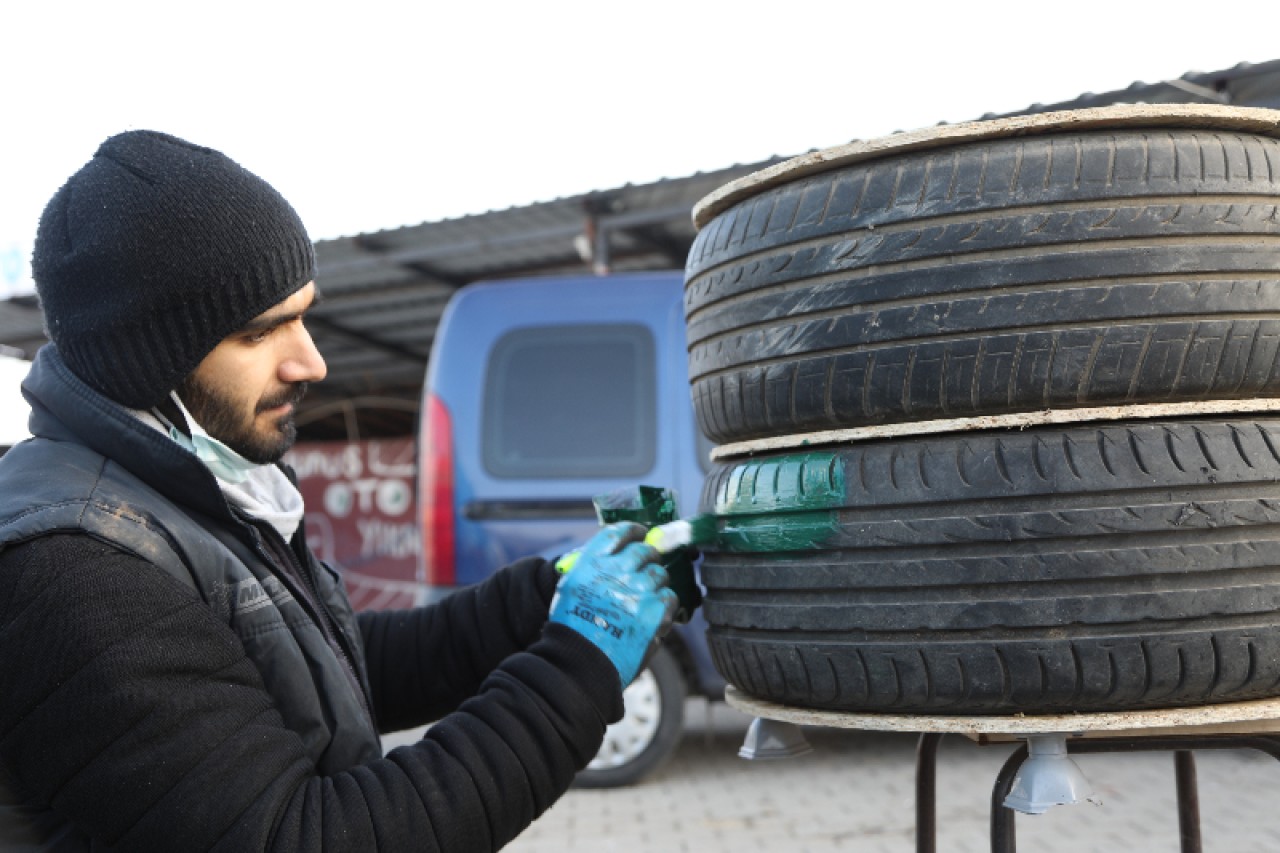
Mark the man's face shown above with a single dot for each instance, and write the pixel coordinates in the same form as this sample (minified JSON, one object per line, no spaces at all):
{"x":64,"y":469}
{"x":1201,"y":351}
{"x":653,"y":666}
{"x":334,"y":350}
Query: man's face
{"x":245,"y":391}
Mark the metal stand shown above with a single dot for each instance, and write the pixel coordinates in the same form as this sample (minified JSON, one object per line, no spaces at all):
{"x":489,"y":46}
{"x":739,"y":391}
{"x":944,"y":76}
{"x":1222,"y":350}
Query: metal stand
{"x":1003,"y":837}
{"x":1244,"y":725}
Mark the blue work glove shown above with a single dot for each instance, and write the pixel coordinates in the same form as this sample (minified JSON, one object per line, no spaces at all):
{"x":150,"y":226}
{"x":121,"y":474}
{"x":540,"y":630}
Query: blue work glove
{"x":617,"y":597}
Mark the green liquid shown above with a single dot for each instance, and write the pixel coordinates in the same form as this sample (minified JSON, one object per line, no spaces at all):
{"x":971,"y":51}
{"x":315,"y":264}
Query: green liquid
{"x":785,"y":503}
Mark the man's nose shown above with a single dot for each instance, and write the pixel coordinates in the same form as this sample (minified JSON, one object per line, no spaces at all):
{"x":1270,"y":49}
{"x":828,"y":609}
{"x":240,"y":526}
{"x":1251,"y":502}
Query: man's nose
{"x":304,"y":362}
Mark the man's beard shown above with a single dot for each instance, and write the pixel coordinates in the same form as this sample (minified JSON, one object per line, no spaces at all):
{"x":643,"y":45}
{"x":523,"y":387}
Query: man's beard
{"x":222,"y":420}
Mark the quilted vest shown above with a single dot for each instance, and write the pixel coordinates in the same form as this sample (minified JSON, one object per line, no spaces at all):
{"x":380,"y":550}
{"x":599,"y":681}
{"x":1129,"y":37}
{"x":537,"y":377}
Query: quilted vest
{"x":92,"y":467}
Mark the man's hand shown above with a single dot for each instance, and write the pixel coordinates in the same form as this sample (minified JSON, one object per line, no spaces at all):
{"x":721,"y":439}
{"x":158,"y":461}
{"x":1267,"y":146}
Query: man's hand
{"x":617,"y":597}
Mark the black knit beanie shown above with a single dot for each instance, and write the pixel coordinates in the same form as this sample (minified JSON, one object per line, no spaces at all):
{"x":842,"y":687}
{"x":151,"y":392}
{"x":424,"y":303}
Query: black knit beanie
{"x":154,"y":252}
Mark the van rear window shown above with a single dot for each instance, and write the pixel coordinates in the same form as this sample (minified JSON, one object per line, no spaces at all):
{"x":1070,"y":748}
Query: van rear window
{"x":571,"y":401}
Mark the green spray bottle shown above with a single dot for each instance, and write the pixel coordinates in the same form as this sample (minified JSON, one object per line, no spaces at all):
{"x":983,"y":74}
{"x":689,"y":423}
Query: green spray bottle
{"x":655,"y":508}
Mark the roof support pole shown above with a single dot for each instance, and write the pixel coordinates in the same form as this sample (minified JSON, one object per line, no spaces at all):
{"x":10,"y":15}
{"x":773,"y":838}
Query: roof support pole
{"x":600,"y":253}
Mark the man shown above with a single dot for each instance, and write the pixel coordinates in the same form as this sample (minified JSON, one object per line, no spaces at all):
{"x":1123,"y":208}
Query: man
{"x":178,"y":671}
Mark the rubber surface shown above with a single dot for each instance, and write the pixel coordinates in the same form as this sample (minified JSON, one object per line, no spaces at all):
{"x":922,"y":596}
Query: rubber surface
{"x":1057,"y":271}
{"x":1093,"y":568}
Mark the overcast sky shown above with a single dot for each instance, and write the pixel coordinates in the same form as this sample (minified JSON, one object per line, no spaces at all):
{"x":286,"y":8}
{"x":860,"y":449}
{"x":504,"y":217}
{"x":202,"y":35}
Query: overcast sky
{"x":370,"y":115}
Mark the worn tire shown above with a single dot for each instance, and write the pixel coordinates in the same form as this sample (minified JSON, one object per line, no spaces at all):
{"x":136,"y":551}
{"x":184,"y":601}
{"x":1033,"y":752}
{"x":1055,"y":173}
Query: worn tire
{"x":1086,"y":569}
{"x":649,"y":731}
{"x":1067,"y":270}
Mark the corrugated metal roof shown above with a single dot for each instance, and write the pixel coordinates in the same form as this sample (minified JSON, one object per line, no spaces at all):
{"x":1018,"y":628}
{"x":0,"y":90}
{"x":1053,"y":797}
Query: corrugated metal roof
{"x":1244,"y":85}
{"x":21,"y":327}
{"x":384,"y":291}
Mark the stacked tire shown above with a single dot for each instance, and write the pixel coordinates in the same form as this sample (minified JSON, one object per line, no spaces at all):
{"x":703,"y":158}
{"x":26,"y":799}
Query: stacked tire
{"x":866,"y":323}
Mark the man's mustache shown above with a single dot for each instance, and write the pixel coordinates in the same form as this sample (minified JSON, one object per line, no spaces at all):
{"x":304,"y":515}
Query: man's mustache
{"x":292,"y":394}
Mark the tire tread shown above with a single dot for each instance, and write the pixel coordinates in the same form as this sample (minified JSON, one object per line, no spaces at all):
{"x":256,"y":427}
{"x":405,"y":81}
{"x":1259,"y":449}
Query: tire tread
{"x":1132,"y":565}
{"x":818,"y":293}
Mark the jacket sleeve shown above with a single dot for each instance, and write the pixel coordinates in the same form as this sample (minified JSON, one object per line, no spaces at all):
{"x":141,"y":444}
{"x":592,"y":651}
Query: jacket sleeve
{"x":132,"y":713}
{"x":423,"y":663}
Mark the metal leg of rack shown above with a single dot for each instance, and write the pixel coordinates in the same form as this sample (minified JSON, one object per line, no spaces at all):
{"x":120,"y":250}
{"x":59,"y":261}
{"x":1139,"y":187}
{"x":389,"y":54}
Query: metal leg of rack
{"x":1003,"y":830}
{"x":1184,"y":769}
{"x":927,"y":793}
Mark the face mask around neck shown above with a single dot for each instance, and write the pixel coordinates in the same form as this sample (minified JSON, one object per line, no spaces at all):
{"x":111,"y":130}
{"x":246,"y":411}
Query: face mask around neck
{"x":222,"y":461}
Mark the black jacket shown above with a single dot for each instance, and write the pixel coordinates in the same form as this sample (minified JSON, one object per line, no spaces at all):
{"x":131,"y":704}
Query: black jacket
{"x":179,"y":678}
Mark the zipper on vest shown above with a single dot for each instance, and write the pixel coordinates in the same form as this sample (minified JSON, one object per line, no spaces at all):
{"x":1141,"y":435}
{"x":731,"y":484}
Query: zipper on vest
{"x":303,"y":587}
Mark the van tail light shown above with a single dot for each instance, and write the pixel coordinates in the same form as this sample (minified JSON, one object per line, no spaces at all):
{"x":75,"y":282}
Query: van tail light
{"x":435,"y":496}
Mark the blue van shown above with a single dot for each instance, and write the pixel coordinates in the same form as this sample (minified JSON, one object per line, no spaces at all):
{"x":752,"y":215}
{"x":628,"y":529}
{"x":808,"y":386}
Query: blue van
{"x":541,"y":394}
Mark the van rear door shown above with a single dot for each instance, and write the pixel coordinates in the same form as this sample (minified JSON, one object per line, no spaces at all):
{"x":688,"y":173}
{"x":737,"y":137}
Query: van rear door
{"x":554,"y":392}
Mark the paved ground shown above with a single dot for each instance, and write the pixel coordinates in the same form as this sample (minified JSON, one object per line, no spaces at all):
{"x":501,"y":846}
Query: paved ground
{"x":855,"y":792}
